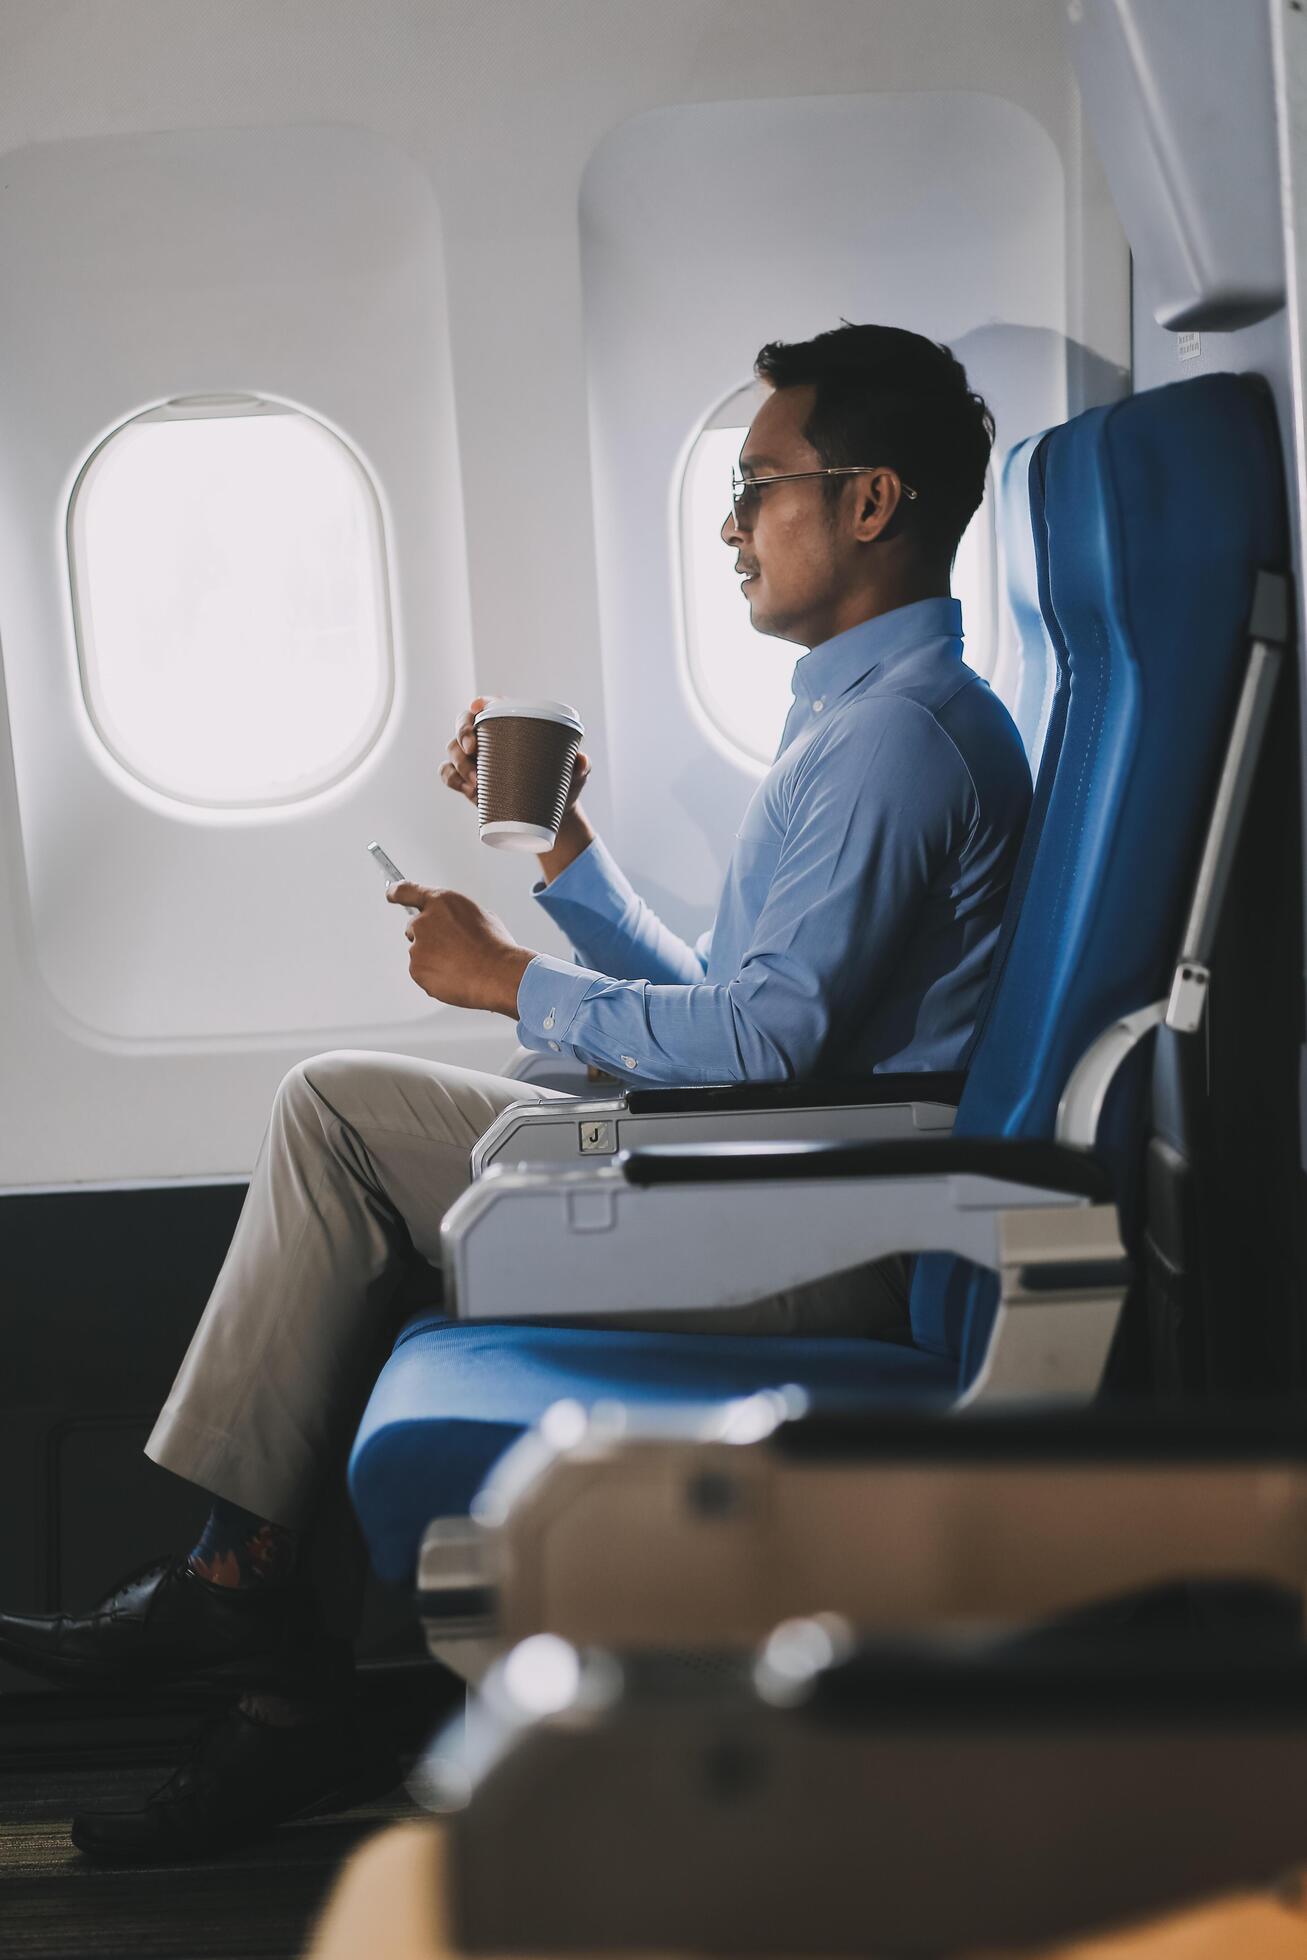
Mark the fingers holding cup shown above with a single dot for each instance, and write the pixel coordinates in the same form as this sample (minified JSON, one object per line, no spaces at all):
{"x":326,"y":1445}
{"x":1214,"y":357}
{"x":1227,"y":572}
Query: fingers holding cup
{"x":580,"y":776}
{"x":465,"y":734}
{"x":459,"y":772}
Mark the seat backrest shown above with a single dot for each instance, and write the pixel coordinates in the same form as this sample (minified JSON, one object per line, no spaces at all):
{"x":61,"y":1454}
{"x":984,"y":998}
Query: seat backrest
{"x":1151,"y":519}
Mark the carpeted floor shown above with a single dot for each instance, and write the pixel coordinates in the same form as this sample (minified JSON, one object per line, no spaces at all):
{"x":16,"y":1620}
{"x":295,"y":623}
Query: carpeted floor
{"x":59,"y":1753}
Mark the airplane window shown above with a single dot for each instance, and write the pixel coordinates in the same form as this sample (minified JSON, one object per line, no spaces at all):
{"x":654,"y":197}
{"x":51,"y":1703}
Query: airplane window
{"x":230,"y":601}
{"x":741,"y":679}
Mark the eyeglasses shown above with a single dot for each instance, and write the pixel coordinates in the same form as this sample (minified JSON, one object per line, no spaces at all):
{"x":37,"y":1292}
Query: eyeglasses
{"x":746,"y":490}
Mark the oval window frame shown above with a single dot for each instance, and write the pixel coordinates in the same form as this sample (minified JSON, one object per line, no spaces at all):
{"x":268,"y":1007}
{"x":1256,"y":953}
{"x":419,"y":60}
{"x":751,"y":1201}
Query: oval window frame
{"x":204,"y":408}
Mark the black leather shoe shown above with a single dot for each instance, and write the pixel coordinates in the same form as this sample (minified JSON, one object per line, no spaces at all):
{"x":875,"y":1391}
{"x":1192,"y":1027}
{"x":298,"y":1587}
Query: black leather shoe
{"x":165,"y":1622}
{"x":241,"y":1779}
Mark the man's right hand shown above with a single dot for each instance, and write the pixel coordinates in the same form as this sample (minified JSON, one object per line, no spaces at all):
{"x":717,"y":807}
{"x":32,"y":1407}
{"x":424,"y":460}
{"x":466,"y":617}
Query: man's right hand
{"x":460,"y":774}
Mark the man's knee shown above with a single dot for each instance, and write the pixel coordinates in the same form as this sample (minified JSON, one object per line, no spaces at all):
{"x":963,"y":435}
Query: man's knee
{"x":327,"y":1078}
{"x":302,"y":1079}
{"x":365,"y":1086}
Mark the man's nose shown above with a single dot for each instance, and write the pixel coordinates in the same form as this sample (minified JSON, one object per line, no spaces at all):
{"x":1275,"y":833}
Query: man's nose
{"x":730,"y":528}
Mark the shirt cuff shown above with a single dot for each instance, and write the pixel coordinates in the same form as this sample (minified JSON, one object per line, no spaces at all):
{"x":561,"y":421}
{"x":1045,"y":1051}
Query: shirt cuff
{"x":548,"y":997}
{"x":593,"y":882}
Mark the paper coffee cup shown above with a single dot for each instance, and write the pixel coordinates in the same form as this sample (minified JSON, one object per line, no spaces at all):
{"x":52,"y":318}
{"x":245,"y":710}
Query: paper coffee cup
{"x":525,"y":752}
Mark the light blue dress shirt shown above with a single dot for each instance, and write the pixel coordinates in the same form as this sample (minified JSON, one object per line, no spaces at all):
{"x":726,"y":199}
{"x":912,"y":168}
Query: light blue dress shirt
{"x":863,"y":897}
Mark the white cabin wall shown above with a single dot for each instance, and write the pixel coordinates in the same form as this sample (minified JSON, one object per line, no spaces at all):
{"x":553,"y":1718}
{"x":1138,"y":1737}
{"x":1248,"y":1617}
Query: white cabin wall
{"x":1226,"y":70}
{"x":498,"y":105}
{"x":327,"y":241}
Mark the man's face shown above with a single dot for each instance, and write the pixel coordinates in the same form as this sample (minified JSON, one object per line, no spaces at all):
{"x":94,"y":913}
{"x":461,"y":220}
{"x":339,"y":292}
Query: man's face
{"x":790,"y":543}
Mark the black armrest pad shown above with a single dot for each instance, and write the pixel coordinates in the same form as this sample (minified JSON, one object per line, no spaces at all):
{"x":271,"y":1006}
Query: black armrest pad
{"x":1063,"y":1678}
{"x":1052,"y":1166}
{"x":870,"y":1091}
{"x":1267,"y":1433}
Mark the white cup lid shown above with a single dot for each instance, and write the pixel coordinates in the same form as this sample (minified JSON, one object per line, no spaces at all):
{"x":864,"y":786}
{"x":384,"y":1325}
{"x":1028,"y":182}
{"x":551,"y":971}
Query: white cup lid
{"x":532,"y":710}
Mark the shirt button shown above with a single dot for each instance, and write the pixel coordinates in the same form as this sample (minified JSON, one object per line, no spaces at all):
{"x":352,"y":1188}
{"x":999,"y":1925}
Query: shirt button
{"x":556,"y":1047}
{"x":549,"y":1018}
{"x":817,"y":706}
{"x":628,"y":1061}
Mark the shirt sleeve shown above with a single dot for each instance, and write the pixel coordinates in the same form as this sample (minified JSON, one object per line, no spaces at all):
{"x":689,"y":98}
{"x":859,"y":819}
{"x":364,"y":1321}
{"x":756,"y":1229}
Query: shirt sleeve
{"x":611,"y":927}
{"x":878,"y":805}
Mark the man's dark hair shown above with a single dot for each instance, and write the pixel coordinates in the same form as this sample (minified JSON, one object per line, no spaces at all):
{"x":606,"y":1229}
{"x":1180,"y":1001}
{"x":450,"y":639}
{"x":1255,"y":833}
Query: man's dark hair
{"x":889,"y":397}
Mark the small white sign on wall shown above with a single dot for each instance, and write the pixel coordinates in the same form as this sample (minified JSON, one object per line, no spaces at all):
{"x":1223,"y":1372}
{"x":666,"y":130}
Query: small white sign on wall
{"x":1188,"y":346}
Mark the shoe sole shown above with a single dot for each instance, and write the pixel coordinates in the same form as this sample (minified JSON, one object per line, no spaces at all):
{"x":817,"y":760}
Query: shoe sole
{"x":344,"y":1796}
{"x":251,"y":1672}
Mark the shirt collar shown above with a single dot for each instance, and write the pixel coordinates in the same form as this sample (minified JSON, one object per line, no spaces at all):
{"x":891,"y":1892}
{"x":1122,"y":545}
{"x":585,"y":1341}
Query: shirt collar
{"x":835,"y":666}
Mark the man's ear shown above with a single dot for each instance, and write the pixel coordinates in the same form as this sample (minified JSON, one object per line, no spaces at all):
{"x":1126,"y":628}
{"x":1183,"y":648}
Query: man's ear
{"x":879,"y":497}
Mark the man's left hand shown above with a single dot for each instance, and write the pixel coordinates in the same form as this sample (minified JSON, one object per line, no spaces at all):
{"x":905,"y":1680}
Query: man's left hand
{"x":461,"y":954}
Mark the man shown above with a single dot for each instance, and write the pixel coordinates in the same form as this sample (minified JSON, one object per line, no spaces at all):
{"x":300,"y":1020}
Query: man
{"x":856,"y":927}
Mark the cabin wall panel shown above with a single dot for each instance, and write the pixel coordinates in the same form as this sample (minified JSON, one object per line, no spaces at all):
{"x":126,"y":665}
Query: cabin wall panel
{"x":1179,"y":97}
{"x":497,"y":104}
{"x":304,"y":265}
{"x":101,"y":1294}
{"x":218,"y":263}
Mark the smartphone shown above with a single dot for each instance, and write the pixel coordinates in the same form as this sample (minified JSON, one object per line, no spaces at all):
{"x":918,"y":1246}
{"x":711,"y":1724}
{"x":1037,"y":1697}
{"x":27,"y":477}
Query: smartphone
{"x":391,"y":872}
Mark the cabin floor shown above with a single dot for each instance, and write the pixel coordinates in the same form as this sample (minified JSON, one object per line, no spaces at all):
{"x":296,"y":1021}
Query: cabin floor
{"x":62,"y":1752}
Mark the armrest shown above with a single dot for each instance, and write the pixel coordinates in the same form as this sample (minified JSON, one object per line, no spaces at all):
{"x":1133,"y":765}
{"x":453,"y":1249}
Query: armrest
{"x":708,"y":1530}
{"x":663,"y":1231}
{"x":1018,"y":1160}
{"x":921,"y":1801}
{"x":867,"y":1092}
{"x":1268,"y":1435}
{"x":598,"y":1127}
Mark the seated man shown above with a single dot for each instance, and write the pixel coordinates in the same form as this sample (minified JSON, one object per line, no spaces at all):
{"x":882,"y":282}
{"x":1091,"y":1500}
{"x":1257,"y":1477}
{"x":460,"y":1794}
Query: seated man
{"x":859,"y":918}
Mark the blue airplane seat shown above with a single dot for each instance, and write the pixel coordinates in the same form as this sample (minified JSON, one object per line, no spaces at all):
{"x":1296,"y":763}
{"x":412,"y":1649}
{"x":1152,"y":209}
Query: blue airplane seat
{"x":1146,"y":595}
{"x":455,"y":1394}
{"x":1148,"y":598}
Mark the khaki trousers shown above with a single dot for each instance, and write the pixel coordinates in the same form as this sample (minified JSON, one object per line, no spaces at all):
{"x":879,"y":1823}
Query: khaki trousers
{"x":363,"y":1155}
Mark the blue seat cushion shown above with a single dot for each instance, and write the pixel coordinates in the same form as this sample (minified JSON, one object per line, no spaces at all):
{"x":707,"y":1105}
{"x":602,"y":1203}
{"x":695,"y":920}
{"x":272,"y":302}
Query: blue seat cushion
{"x":455,"y":1394}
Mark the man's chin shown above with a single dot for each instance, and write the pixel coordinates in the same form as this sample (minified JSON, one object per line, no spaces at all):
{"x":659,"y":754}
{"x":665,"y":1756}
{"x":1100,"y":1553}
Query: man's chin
{"x":772,"y":626}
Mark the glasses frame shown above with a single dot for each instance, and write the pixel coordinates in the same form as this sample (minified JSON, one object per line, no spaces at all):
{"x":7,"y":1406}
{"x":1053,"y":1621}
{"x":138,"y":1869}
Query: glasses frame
{"x":742,"y":484}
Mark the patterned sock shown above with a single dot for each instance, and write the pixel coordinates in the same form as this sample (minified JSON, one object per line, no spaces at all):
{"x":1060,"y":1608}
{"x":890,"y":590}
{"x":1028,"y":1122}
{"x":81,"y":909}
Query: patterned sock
{"x":238,"y":1549}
